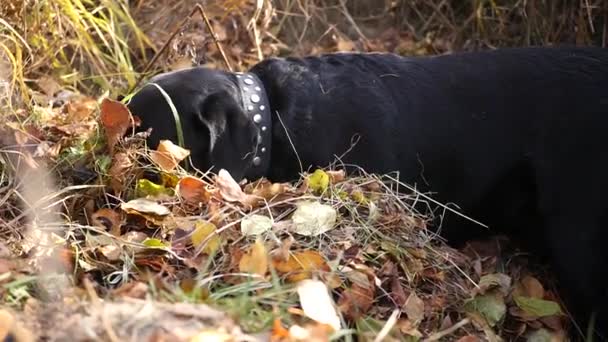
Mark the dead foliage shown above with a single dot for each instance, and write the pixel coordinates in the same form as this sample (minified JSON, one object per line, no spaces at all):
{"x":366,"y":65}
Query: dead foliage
{"x":123,"y":229}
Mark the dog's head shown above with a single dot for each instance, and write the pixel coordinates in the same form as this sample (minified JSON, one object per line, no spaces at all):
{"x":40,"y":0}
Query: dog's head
{"x":216,"y":127}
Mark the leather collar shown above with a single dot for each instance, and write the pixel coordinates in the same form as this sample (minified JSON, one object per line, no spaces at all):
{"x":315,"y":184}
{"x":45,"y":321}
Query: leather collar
{"x":257,"y":108}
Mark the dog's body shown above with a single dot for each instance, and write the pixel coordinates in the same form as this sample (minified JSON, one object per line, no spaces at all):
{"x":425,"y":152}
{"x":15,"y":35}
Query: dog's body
{"x":514,"y":137}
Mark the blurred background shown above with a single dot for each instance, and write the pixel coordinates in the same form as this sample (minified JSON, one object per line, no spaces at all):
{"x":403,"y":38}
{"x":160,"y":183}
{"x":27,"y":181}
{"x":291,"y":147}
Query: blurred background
{"x":101,"y":45}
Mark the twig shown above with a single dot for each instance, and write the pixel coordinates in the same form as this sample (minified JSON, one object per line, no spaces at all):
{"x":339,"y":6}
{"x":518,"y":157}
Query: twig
{"x":390,"y":323}
{"x":197,"y":8}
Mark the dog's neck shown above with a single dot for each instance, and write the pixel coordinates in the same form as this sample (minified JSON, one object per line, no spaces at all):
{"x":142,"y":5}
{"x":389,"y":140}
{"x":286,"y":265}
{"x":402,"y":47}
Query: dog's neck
{"x":257,"y":108}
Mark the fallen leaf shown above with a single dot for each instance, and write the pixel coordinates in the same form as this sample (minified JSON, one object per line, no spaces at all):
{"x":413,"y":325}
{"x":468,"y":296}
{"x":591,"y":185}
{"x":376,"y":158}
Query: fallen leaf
{"x":278,"y":331}
{"x":263,"y":189}
{"x":317,"y":303}
{"x":414,"y":308}
{"x":204,"y":232}
{"x":144,"y":206}
{"x":231,"y":191}
{"x":356,"y":301}
{"x":134,"y":237}
{"x":544,"y":335}
{"x":108,"y":219}
{"x":155,"y":243}
{"x":469,"y":338}
{"x":111,"y":252}
{"x":194,"y":190}
{"x":491,"y":281}
{"x":319,"y":181}
{"x":81,"y":109}
{"x":48,"y":85}
{"x":255,"y":225}
{"x":145,"y":187}
{"x":397,"y":293}
{"x":133,"y":289}
{"x":529,"y":286}
{"x":116,"y":120}
{"x":313,"y":218}
{"x":408,"y":328}
{"x":168,"y":155}
{"x":336,"y":176}
{"x":120,"y":164}
{"x":301,"y":265}
{"x":537,"y":307}
{"x":255,"y":260}
{"x":490,"y":306}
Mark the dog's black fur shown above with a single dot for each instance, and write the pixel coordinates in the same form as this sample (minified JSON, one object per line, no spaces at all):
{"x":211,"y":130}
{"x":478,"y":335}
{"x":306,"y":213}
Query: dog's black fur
{"x":515,"y":137}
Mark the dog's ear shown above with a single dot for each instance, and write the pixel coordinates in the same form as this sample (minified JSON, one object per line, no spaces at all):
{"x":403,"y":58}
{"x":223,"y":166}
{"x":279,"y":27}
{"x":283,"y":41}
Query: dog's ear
{"x":232,"y":136}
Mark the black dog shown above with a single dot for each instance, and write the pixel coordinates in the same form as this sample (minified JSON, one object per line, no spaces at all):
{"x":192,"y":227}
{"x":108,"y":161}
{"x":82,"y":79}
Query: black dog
{"x":514,"y":137}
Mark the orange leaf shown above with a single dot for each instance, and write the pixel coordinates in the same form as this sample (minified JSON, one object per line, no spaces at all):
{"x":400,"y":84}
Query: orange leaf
{"x":168,"y":155}
{"x":301,"y":265}
{"x":255,"y":260}
{"x":194,"y":190}
{"x":278,"y":332}
{"x":116,"y":120}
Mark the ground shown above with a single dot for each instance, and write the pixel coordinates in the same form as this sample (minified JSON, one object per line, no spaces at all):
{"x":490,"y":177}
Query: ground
{"x":105,"y":238}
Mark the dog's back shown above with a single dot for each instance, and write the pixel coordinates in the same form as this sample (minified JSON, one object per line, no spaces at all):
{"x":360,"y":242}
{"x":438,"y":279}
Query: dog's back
{"x":515,"y":137}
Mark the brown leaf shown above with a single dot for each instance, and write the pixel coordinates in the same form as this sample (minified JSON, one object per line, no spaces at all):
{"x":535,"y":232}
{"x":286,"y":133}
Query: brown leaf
{"x":116,"y":120}
{"x":407,"y":327}
{"x":529,"y":286}
{"x":414,"y":308}
{"x":110,"y":252}
{"x":397,"y":292}
{"x":194,"y":190}
{"x":255,"y":260}
{"x":300,"y":265}
{"x":120,"y":164}
{"x":168,"y":155}
{"x":356,"y":301}
{"x":108,"y":219}
{"x":134,"y":289}
{"x":81,"y":109}
{"x":265,"y":189}
{"x":336,"y":176}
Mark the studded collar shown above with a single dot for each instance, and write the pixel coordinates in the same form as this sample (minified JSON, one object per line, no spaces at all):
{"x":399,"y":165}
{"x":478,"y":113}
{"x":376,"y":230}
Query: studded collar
{"x":257,"y":108}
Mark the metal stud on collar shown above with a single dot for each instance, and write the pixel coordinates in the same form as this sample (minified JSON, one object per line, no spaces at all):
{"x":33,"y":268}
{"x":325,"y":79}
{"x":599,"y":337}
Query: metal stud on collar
{"x":257,"y":109}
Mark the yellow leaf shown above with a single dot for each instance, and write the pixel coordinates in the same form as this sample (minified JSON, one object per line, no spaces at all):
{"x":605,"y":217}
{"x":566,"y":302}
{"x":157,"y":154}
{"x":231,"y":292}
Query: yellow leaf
{"x":201,"y":234}
{"x":255,"y":260}
{"x":145,"y":188}
{"x":318,"y":181}
{"x":301,"y":265}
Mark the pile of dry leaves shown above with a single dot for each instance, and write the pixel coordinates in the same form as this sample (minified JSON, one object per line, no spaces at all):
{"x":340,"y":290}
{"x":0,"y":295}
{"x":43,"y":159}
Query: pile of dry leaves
{"x":140,"y":235}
